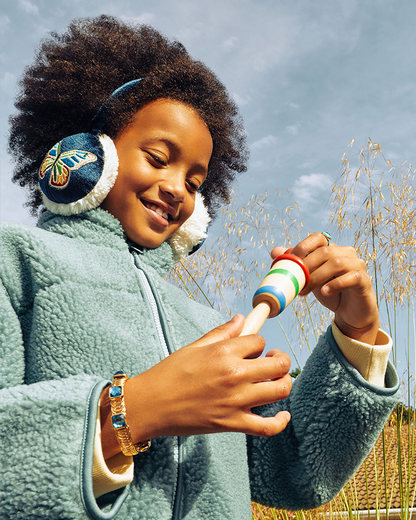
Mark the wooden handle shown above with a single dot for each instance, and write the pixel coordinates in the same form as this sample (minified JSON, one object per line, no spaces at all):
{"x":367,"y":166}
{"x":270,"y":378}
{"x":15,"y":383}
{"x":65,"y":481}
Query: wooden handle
{"x":255,"y":319}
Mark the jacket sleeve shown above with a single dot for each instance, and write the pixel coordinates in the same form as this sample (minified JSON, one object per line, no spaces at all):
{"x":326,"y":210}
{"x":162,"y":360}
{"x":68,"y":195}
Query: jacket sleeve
{"x":336,"y":419}
{"x":46,"y":436}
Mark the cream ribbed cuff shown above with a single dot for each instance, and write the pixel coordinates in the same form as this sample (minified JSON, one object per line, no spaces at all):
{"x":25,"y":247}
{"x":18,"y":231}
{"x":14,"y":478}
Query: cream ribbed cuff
{"x":114,"y":473}
{"x":369,"y":360}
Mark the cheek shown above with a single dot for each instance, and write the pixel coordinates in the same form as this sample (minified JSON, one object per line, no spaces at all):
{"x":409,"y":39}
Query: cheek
{"x":134,"y":172}
{"x":189,"y":208}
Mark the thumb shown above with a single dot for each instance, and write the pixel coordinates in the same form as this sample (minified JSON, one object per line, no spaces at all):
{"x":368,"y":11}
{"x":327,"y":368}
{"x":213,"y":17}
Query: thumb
{"x":231,"y":329}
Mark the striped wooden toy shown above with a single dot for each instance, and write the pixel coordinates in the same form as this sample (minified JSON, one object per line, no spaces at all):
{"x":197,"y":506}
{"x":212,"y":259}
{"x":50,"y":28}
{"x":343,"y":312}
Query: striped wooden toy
{"x":286,"y":278}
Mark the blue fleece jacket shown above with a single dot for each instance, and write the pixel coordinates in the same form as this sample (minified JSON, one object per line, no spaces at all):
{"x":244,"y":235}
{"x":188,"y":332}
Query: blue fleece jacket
{"x":77,"y":303}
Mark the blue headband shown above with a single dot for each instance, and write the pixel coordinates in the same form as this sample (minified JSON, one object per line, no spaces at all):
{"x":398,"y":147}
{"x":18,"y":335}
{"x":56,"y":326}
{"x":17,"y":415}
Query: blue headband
{"x":101,"y":116}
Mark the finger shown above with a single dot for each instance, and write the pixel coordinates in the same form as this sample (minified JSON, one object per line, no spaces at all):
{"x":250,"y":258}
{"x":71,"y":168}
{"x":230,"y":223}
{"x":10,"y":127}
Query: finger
{"x":334,"y":268}
{"x":352,"y":279}
{"x":273,"y":352}
{"x":309,"y":244}
{"x":325,"y":253}
{"x":266,"y":392}
{"x":266,"y":426}
{"x":274,"y":367}
{"x":277,"y":251}
{"x":326,"y":263}
{"x":231,"y":344}
{"x":252,"y":347}
{"x":231,"y":329}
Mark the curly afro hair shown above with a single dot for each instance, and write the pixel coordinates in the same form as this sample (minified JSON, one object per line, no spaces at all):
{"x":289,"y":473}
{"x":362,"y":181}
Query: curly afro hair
{"x":75,"y":73}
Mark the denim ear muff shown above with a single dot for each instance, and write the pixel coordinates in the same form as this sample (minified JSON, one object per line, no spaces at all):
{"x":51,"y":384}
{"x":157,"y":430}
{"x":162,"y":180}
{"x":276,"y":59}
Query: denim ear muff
{"x":78,"y":172}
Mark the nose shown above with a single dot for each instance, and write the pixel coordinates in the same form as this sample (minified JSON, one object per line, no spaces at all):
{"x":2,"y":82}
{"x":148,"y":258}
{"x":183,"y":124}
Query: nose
{"x":174,"y":185}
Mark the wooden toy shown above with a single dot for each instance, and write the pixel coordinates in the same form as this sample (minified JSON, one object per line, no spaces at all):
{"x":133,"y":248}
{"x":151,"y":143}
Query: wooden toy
{"x":287,"y":277}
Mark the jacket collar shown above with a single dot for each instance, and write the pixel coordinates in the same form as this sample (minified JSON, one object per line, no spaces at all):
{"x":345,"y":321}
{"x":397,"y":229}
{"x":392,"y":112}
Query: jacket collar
{"x":99,"y":228}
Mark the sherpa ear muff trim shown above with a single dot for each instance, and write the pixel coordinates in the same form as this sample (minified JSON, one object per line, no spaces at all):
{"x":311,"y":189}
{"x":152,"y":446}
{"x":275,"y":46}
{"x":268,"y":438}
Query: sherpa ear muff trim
{"x":78,"y":173}
{"x":191,"y":235}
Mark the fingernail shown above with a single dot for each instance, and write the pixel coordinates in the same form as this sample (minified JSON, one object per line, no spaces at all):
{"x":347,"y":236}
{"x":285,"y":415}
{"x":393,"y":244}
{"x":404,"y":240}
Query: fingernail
{"x":234,"y":318}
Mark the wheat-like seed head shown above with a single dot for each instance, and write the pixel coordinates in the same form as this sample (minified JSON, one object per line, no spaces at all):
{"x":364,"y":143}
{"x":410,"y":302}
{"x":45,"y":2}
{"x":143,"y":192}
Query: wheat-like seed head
{"x":372,"y":204}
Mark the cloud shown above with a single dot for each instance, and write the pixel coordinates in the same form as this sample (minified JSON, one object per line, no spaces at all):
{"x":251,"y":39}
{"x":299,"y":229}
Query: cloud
{"x":4,"y":23}
{"x":145,"y":18}
{"x":307,"y":164}
{"x":308,"y":187}
{"x":27,"y":7}
{"x":241,"y":100}
{"x":8,"y":84}
{"x":230,"y":43}
{"x":264,"y":142}
{"x":275,"y":47}
{"x":293,"y":129}
{"x":188,"y":35}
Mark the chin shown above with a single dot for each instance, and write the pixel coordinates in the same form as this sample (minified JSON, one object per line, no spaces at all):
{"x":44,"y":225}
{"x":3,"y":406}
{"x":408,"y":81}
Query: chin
{"x":149,"y":243}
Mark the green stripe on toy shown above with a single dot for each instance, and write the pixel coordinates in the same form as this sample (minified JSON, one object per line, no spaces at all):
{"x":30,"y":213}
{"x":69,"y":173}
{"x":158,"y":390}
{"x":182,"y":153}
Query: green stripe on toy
{"x":287,"y":277}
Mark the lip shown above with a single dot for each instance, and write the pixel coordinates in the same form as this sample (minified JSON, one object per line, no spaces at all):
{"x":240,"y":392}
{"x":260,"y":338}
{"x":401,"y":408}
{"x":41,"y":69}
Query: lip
{"x":168,"y":212}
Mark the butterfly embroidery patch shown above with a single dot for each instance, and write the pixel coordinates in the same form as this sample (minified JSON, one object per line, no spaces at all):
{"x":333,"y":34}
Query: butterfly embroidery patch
{"x":60,"y":164}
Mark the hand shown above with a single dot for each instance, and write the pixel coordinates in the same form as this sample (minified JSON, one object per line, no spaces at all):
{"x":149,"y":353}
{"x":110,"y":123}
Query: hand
{"x":340,"y":282}
{"x":206,"y":387}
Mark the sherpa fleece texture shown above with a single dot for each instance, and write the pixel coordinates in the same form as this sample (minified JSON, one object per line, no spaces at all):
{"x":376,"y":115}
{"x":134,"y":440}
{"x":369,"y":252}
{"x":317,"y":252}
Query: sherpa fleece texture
{"x":75,"y":308}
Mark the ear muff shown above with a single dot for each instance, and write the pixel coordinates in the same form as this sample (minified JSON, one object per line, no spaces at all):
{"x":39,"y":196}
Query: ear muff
{"x":193,"y":232}
{"x":78,"y":172}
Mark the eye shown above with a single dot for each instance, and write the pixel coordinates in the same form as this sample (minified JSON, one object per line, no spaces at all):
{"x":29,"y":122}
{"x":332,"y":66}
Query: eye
{"x":156,"y":159}
{"x":193,"y":186}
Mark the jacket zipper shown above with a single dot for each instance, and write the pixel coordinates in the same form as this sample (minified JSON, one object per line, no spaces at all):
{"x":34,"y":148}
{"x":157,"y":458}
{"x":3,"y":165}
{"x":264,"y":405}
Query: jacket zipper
{"x":178,"y":450}
{"x":152,"y":302}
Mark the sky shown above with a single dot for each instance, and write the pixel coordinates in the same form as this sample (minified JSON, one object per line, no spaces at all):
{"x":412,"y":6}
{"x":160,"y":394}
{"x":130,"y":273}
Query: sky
{"x":309,"y":77}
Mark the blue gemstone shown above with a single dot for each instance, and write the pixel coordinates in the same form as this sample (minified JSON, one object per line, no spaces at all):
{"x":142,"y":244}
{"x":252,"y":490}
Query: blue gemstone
{"x":119,"y":373}
{"x":115,"y":391}
{"x":119,"y":421}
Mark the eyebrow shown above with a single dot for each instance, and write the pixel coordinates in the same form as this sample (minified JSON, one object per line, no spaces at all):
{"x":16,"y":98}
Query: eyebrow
{"x":172,"y":144}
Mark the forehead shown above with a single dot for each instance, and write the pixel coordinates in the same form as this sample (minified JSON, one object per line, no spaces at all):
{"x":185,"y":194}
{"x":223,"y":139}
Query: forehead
{"x":168,"y":114}
{"x":169,"y":123}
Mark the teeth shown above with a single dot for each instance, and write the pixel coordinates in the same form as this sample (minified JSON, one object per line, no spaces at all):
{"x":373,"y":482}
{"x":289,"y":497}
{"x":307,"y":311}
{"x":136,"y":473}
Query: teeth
{"x":158,"y":210}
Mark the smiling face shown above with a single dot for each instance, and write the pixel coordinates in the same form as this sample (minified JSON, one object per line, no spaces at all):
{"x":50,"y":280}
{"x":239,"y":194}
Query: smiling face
{"x":163,"y":160}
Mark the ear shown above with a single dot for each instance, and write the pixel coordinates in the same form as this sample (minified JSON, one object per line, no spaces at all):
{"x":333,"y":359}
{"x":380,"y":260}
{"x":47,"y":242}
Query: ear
{"x":78,"y":173}
{"x":193,"y":231}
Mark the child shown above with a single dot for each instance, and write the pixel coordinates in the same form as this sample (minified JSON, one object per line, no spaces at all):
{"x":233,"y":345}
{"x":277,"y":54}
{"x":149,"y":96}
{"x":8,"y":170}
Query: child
{"x":134,"y":145}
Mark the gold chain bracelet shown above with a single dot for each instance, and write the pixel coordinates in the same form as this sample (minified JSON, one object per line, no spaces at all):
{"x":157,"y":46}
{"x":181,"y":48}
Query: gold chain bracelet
{"x":119,"y":420}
